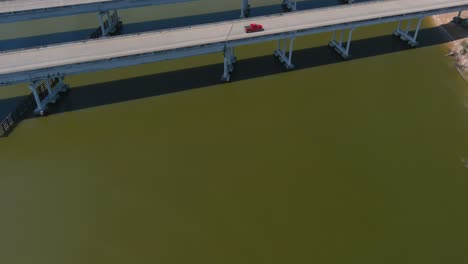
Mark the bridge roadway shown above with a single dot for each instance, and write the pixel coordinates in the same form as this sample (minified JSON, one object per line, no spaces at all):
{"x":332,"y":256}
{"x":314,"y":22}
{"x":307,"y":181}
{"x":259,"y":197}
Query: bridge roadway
{"x":19,"y":10}
{"x":56,"y":61}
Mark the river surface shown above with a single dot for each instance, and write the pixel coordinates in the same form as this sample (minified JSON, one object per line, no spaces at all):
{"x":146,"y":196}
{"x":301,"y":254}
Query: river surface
{"x":362,"y":161}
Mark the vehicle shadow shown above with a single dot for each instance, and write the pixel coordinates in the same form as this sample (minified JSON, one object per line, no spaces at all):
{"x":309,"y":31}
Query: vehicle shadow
{"x":133,"y":28}
{"x":199,"y":77}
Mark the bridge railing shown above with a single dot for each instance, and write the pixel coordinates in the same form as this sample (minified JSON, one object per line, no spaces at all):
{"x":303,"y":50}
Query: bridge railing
{"x":6,"y":125}
{"x":23,"y":109}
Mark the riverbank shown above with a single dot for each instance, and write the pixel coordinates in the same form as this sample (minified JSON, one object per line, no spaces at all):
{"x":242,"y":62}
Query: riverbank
{"x":457,"y":47}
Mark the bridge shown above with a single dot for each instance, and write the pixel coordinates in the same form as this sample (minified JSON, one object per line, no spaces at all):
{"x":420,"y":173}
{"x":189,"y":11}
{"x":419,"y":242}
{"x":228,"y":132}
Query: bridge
{"x":45,"y":66}
{"x":20,"y":10}
{"x":109,"y":20}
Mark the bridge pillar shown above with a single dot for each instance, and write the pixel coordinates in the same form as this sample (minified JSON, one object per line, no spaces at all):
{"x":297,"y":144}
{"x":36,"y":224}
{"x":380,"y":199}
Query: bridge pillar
{"x":290,"y":5}
{"x":405,"y":35}
{"x":283,"y":55}
{"x":458,"y":19}
{"x":339,"y":46}
{"x":46,"y":92}
{"x":245,"y":8}
{"x":109,"y":24}
{"x":229,"y":61}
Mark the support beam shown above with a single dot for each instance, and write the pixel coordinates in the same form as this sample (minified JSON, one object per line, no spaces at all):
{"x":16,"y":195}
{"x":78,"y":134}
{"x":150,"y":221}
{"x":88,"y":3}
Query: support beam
{"x":46,"y":92}
{"x":285,"y":56}
{"x":339,"y":46}
{"x":245,"y":8}
{"x":405,"y":35}
{"x":109,"y":24}
{"x":229,"y":61}
{"x":290,"y":5}
{"x":458,"y":19}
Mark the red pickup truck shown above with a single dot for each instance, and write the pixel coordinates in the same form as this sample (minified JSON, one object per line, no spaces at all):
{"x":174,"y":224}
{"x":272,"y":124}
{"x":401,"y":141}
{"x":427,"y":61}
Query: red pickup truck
{"x":253,"y":28}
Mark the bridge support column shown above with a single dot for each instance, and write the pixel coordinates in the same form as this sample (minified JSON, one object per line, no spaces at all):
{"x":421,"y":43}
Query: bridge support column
{"x":458,"y":19}
{"x":405,"y":35}
{"x":339,"y":46}
{"x":109,"y":24}
{"x":290,"y":5}
{"x":245,"y":8}
{"x":229,"y":61}
{"x":46,"y":92}
{"x":283,"y":55}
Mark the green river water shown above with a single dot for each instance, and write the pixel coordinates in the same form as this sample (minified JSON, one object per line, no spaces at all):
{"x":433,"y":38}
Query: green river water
{"x":359,"y":161}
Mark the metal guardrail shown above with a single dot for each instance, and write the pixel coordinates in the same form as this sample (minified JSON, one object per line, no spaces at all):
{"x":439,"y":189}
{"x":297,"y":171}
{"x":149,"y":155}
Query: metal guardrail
{"x":6,"y":125}
{"x":23,"y":110}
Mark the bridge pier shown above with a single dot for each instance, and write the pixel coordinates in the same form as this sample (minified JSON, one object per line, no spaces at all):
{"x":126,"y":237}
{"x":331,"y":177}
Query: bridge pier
{"x":46,"y":92}
{"x":245,"y":8}
{"x":283,"y":55}
{"x":290,"y":5}
{"x":405,"y":35}
{"x":229,"y":61}
{"x":109,"y":24}
{"x":339,"y":45}
{"x":458,"y":19}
